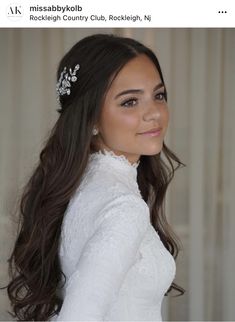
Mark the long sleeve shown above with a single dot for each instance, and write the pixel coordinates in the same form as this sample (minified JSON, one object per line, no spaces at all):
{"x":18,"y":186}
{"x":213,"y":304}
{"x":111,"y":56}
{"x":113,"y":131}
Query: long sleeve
{"x":105,"y":260}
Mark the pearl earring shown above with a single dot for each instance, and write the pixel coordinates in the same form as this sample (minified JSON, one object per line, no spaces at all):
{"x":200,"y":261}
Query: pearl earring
{"x":95,"y":131}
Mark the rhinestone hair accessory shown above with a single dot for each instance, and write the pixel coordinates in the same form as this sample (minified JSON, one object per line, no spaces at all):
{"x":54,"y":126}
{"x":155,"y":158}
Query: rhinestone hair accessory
{"x":64,"y":83}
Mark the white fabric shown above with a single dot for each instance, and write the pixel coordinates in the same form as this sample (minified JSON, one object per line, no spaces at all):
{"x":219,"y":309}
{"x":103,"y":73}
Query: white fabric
{"x":116,"y":266}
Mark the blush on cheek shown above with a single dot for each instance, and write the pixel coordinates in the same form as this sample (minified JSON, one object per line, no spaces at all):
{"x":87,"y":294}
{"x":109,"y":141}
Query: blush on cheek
{"x":129,"y":123}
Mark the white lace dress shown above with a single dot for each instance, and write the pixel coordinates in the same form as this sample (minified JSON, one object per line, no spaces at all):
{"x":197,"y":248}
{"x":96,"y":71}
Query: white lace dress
{"x":116,"y":266}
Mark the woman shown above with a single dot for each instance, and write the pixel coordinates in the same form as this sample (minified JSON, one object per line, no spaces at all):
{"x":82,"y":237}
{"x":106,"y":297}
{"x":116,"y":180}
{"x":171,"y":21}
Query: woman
{"x":94,"y":243}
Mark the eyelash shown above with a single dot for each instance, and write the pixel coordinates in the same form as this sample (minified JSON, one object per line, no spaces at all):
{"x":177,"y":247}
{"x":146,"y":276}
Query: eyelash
{"x":135,"y":99}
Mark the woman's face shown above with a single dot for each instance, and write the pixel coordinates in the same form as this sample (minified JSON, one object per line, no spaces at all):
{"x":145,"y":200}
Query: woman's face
{"x":125,"y":116}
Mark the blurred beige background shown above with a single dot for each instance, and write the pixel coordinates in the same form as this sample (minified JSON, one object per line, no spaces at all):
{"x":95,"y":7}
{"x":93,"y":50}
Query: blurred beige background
{"x":199,"y":70}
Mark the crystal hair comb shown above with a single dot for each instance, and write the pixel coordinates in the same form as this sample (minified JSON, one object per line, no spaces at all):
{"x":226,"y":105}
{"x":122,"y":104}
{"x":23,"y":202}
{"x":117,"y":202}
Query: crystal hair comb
{"x":64,"y":83}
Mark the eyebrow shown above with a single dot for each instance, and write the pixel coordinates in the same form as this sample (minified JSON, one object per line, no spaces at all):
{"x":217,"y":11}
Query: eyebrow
{"x":138,"y":90}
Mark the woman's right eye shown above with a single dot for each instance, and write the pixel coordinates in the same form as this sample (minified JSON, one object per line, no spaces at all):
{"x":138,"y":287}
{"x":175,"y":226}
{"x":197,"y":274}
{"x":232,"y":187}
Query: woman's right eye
{"x":129,"y":102}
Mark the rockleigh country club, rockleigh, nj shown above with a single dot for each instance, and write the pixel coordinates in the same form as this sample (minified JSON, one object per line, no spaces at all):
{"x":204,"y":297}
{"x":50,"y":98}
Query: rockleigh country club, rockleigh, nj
{"x":54,"y":18}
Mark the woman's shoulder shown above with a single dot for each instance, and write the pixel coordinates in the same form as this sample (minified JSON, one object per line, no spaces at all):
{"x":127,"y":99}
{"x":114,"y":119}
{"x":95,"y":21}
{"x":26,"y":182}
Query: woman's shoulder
{"x":95,"y":209}
{"x":97,"y":194}
{"x":128,"y":205}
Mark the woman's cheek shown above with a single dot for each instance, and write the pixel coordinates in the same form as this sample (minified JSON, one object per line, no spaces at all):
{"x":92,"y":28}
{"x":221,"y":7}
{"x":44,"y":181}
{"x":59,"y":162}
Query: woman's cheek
{"x":129,"y":122}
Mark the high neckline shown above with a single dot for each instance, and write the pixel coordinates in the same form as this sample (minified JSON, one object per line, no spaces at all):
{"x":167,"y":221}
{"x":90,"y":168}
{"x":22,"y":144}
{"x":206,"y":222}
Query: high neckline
{"x":121,"y":157}
{"x":118,"y":163}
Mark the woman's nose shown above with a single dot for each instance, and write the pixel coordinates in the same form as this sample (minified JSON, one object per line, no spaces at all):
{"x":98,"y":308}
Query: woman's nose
{"x":152,"y":112}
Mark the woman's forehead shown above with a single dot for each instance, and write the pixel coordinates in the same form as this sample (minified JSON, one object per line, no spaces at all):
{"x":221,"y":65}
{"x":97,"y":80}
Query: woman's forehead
{"x":138,"y":73}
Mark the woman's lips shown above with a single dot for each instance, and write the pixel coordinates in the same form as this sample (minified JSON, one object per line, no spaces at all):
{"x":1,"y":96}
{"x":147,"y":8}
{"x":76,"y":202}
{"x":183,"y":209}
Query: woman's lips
{"x":152,"y":133}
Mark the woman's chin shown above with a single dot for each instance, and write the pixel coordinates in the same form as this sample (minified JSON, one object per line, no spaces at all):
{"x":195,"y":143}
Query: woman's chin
{"x":152,"y":150}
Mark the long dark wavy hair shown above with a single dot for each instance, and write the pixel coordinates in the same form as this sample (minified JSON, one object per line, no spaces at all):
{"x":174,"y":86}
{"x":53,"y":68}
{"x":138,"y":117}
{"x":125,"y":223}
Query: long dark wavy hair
{"x":34,"y":265}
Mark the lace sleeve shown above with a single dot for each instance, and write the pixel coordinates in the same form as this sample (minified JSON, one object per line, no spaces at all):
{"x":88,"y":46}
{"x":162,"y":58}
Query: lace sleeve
{"x":105,"y":260}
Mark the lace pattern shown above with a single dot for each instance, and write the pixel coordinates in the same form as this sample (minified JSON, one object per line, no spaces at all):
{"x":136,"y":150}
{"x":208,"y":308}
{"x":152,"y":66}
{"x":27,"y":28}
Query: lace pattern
{"x":122,"y":158}
{"x":116,"y":266}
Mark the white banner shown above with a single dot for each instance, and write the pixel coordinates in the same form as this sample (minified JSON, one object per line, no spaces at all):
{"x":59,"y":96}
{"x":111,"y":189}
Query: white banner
{"x":116,"y":14}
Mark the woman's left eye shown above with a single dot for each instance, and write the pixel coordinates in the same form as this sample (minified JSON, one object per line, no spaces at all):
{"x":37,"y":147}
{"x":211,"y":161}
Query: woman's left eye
{"x":161,"y":96}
